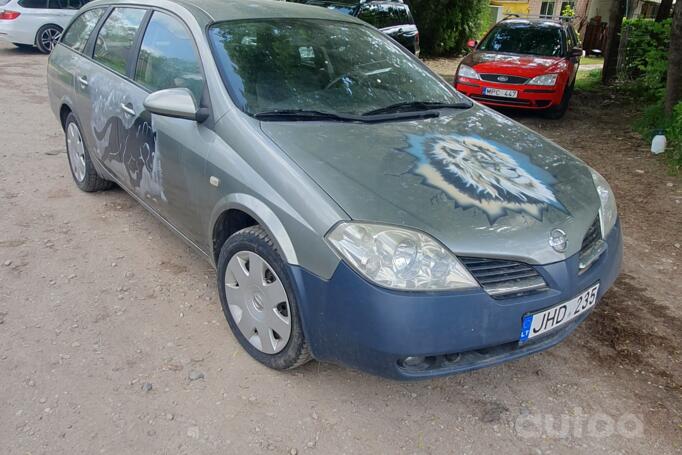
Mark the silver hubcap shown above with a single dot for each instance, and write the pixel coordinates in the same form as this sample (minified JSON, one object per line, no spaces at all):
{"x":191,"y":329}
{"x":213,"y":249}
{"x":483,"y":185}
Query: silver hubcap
{"x":258,"y":302}
{"x":76,"y":150}
{"x":49,"y":38}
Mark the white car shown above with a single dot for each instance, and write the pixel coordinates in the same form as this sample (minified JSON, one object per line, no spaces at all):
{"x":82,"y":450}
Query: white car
{"x":39,"y":23}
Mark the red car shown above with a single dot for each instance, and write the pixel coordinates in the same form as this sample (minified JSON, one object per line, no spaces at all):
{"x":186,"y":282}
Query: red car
{"x":523,"y":63}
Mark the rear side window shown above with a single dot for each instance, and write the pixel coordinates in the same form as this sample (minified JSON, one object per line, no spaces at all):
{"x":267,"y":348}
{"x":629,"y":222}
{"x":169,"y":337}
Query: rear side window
{"x":76,"y":37}
{"x":383,"y":15}
{"x":66,"y":4}
{"x":168,"y":58}
{"x":116,"y":37}
{"x":41,"y":4}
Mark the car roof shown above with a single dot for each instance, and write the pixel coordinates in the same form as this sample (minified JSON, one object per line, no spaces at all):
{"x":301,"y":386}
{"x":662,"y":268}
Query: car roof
{"x":539,"y":22}
{"x":208,"y":11}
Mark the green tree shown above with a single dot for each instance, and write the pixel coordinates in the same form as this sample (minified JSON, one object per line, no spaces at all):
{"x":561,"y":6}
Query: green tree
{"x":446,"y":25}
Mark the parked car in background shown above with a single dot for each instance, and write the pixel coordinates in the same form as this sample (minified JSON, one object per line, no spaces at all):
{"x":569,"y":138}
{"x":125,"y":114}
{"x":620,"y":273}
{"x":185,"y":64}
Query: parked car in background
{"x":39,"y":23}
{"x":523,"y":63}
{"x":357,"y":208}
{"x":393,"y":17}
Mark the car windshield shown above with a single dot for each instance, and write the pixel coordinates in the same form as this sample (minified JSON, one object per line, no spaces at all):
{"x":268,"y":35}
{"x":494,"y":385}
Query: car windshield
{"x":319,"y":65}
{"x":524,"y":39}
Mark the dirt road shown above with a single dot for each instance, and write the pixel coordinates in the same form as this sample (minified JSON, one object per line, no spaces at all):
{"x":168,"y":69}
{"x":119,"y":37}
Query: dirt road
{"x":112,"y":338}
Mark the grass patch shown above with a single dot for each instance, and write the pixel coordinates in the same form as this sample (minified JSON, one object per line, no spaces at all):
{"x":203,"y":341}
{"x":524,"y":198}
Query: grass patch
{"x":592,"y":61}
{"x":588,"y":81}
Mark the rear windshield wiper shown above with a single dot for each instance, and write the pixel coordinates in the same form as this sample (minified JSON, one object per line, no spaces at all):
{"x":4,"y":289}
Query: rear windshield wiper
{"x":303,"y":115}
{"x":414,"y":106}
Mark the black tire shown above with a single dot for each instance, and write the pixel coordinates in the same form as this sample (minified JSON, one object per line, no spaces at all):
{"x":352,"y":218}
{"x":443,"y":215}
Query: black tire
{"x":256,"y":240}
{"x":558,"y":112}
{"x":45,"y":46}
{"x":92,"y":181}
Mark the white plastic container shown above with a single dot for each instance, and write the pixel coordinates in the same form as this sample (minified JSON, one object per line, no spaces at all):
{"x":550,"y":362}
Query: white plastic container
{"x":659,"y":143}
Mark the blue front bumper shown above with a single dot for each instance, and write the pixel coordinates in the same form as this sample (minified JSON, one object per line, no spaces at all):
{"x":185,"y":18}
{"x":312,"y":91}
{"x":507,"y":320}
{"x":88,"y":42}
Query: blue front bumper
{"x":350,"y":321}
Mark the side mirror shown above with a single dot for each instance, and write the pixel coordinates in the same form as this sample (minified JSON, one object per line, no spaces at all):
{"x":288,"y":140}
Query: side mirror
{"x":176,"y":103}
{"x":472,"y":43}
{"x":576,"y":52}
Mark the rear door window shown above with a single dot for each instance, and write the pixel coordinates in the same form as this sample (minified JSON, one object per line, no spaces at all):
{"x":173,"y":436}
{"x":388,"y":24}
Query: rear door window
{"x":39,"y":4}
{"x":117,"y":36}
{"x":76,"y":37}
{"x":384,"y":15}
{"x":168,"y":58}
{"x":66,"y":4}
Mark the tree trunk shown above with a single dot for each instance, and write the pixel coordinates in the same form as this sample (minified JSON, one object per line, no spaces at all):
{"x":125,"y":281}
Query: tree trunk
{"x":664,"y":10}
{"x":613,"y":41}
{"x":674,"y":85}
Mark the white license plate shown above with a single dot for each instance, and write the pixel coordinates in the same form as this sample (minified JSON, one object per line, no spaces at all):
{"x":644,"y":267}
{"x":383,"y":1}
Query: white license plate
{"x":500,"y":92}
{"x":539,"y":323}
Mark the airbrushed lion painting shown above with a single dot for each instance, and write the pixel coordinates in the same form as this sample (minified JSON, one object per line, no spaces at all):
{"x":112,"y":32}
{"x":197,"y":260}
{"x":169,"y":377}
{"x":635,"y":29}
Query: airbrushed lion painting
{"x":480,"y":173}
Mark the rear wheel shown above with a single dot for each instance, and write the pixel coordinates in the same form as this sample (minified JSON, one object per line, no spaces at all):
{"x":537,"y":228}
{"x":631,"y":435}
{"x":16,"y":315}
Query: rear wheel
{"x":83,"y":171}
{"x":259,"y":301}
{"x":47,"y":37}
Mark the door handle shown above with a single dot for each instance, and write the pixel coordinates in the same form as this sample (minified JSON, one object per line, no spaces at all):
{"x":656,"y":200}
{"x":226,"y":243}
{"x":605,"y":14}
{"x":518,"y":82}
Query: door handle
{"x":127,"y":108}
{"x":83,"y":81}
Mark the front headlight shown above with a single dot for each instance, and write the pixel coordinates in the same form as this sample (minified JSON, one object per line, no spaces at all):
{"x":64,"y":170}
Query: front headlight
{"x":545,"y":79}
{"x":467,"y":71}
{"x":609,"y":210}
{"x":399,"y":258}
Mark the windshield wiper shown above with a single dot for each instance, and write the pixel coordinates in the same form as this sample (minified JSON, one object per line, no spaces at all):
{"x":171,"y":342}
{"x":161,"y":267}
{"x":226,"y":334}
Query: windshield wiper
{"x":298,"y":115}
{"x":303,"y":115}
{"x":415,"y":106}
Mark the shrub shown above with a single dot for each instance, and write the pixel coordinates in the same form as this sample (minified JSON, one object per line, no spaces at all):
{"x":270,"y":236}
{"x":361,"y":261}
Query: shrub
{"x":654,"y":119}
{"x":646,"y":55}
{"x":446,"y":25}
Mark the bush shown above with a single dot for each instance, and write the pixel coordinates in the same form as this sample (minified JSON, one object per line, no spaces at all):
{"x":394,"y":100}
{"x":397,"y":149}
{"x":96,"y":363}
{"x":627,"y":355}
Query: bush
{"x":654,"y":119}
{"x":446,"y":25}
{"x":646,"y":54}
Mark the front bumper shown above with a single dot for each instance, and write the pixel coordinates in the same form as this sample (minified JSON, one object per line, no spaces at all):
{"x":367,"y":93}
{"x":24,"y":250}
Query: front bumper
{"x":529,"y":97}
{"x":349,"y":321}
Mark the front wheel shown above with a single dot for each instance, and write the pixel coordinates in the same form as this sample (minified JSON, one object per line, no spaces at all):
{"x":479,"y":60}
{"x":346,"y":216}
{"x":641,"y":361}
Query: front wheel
{"x":259,"y":301}
{"x":559,"y":111}
{"x":48,"y":37}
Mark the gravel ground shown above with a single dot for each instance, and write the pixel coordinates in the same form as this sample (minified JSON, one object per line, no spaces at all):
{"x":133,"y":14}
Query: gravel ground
{"x":112,"y":338}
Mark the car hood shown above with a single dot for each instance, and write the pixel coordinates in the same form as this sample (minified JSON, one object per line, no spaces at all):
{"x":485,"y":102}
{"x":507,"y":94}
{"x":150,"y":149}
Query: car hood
{"x":477,"y":181}
{"x":521,"y":65}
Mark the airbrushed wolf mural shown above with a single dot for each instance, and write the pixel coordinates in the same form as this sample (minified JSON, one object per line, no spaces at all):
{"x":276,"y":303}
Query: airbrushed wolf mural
{"x":133,"y":149}
{"x":474,"y":172}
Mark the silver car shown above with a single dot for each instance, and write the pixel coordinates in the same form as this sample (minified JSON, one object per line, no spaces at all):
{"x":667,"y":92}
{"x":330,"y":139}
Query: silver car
{"x":357,"y":209}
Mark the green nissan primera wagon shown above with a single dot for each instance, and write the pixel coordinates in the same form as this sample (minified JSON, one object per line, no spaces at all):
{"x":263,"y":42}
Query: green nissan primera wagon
{"x":357,"y":208}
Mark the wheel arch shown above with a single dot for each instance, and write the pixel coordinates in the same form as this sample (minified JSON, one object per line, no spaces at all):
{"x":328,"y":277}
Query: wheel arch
{"x":35,"y":39}
{"x":64,"y":110}
{"x":238,"y":211}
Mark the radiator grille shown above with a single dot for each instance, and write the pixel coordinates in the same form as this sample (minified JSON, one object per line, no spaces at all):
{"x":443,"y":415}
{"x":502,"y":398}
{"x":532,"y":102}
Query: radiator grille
{"x":509,"y":79}
{"x":502,"y":278}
